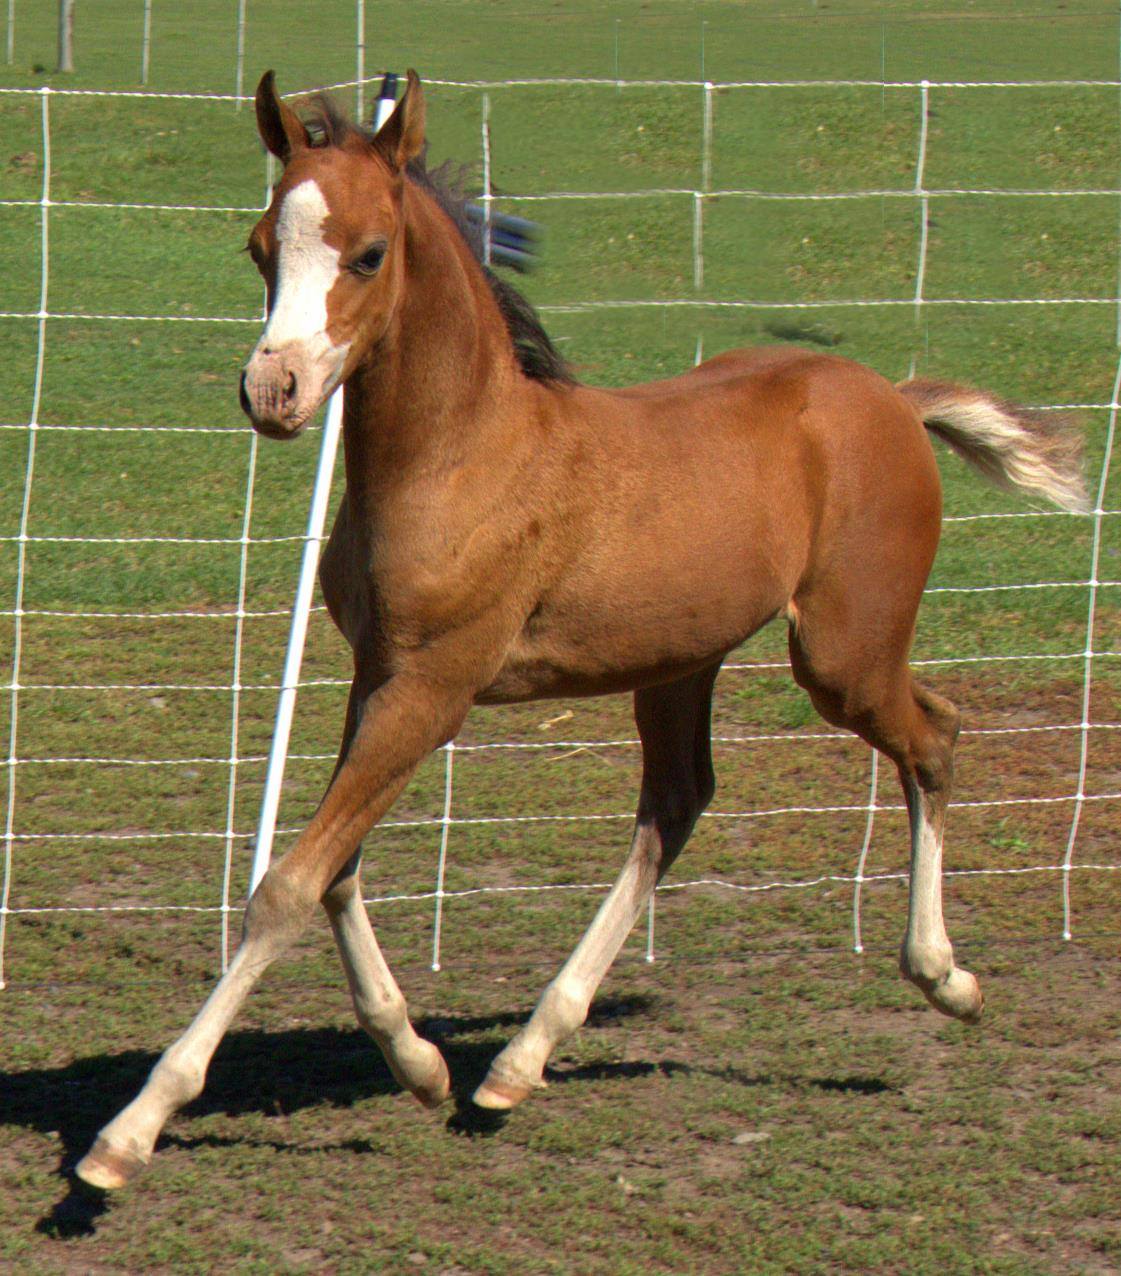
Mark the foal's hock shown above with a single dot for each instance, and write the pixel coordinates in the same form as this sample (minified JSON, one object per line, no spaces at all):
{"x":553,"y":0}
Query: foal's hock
{"x":508,"y":533}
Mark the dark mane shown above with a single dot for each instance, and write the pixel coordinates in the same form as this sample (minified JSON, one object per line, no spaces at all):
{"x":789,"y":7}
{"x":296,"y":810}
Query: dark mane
{"x":537,"y":357}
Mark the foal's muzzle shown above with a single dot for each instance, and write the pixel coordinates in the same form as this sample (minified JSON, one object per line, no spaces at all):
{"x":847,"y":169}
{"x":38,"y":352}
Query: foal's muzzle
{"x":280,"y":389}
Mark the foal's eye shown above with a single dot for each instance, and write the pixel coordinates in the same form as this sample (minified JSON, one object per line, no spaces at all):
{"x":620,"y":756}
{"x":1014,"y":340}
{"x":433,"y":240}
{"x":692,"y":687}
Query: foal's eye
{"x":370,"y":260}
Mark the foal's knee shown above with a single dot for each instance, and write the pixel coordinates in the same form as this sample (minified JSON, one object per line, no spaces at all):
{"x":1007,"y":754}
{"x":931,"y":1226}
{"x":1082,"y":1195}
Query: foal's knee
{"x":924,"y":752}
{"x":277,"y":913}
{"x":942,"y":714}
{"x":933,"y":759}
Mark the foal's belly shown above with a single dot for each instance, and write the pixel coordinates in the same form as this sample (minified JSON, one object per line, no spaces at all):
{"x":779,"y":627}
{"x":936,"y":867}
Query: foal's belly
{"x":619,"y":644}
{"x":542,"y":679}
{"x":666,"y":586}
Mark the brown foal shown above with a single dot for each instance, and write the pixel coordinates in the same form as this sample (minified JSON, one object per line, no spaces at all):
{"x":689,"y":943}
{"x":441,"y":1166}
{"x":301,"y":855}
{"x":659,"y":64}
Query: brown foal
{"x":508,"y":534}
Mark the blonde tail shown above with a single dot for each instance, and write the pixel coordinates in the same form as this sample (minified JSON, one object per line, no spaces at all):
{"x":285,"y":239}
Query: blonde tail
{"x":1014,"y":447}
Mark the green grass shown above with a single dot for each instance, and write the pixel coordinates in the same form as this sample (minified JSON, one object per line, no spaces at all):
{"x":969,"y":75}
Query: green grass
{"x":897,"y":1142}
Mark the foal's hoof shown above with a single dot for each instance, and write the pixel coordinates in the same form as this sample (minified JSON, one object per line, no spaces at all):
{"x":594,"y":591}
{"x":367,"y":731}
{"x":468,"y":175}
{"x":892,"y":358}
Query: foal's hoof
{"x":500,"y":1091}
{"x":108,"y":1168}
{"x":438,"y":1085}
{"x":959,"y":996}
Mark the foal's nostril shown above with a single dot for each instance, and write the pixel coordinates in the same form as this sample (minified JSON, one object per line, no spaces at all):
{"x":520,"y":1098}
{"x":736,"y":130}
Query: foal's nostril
{"x":243,"y":397}
{"x":290,"y":388}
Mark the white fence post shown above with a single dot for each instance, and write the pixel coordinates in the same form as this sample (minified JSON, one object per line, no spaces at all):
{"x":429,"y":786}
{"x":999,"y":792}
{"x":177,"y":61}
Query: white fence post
{"x":278,"y":751}
{"x":66,"y":35}
{"x":239,"y":76}
{"x":360,"y":59}
{"x":146,"y":43}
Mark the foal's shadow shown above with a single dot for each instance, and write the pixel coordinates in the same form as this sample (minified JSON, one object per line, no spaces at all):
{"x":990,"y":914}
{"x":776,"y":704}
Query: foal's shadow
{"x":272,"y":1073}
{"x":277,"y":1073}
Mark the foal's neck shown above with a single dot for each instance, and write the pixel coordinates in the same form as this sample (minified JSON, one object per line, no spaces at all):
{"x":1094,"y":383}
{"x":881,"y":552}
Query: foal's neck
{"x":435,"y":393}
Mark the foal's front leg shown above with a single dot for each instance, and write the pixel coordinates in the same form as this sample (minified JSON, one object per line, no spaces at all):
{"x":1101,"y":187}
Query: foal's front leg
{"x":379,"y":1005}
{"x":378,"y":1002}
{"x":403,"y":721}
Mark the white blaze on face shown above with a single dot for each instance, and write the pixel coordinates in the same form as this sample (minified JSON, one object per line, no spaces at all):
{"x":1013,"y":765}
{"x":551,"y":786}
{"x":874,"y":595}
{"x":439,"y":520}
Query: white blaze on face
{"x":307,"y":268}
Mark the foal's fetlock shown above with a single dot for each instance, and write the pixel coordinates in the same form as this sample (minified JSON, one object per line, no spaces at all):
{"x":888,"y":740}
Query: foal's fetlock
{"x":948,"y":988}
{"x":417,"y":1065}
{"x":124,"y":1147}
{"x":519,"y":1069}
{"x":958,"y":995}
{"x":427,"y":1078}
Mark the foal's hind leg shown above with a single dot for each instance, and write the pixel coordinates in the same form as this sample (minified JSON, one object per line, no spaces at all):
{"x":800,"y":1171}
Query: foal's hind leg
{"x":858,"y":678}
{"x":677,"y":785}
{"x":926,"y":957}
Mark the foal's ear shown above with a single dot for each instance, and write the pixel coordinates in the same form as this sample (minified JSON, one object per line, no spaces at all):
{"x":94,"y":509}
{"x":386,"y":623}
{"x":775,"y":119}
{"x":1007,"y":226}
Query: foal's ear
{"x":401,"y":137}
{"x":280,"y":127}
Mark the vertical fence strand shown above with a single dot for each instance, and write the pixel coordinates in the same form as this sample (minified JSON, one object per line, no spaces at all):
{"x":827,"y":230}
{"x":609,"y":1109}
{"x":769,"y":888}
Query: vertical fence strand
{"x":1088,"y":656}
{"x":487,"y":197}
{"x":699,"y":197}
{"x":1091,"y":606}
{"x":25,"y":515}
{"x":924,"y":219}
{"x":442,"y":858}
{"x":869,"y":826}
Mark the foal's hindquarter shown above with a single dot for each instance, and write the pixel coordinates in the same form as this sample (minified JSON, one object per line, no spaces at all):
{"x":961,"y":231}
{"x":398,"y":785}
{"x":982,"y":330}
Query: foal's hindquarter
{"x":502,"y":539}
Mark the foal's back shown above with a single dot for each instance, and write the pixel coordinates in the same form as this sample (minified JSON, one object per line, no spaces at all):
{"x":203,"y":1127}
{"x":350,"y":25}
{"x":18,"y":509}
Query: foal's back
{"x":794,"y":431}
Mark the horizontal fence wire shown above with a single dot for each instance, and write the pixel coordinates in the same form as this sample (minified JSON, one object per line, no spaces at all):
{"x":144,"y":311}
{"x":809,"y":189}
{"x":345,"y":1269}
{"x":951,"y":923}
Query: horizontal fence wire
{"x":587,"y":82}
{"x":744,"y":888}
{"x":564,"y":746}
{"x":687,"y":192}
{"x":449,"y":820}
{"x":226,"y":687}
{"x":639,"y":303}
{"x":580,"y":817}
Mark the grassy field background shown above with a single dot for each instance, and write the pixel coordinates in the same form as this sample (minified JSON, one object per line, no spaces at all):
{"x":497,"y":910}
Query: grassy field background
{"x":759,"y":1099}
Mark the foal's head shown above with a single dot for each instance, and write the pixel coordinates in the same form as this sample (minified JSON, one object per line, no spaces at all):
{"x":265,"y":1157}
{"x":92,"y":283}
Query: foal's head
{"x":331,"y":250}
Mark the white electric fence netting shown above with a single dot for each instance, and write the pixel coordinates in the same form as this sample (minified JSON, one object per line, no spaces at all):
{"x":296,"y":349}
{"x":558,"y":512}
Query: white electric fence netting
{"x":694,"y":203}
